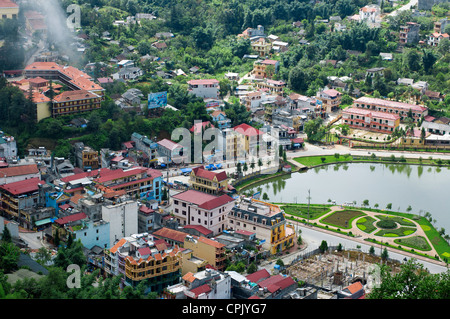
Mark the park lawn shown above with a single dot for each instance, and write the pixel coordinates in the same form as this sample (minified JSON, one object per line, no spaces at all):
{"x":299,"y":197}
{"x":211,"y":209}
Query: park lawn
{"x":301,"y":210}
{"x":317,"y":160}
{"x":342,"y":218}
{"x":415,"y":242}
{"x":366,"y":224}
{"x":399,"y":232}
{"x":440,"y":244}
{"x":397,"y":219}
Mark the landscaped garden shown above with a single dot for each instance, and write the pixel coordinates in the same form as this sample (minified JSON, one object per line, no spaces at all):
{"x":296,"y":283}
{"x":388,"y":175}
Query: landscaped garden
{"x":301,"y":210}
{"x":342,"y":218}
{"x":366,"y":224}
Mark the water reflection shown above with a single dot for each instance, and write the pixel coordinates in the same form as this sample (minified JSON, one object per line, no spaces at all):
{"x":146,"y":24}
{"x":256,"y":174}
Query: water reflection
{"x":424,"y":188}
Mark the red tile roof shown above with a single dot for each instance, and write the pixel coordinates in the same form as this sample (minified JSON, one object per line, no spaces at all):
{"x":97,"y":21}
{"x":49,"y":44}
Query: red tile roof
{"x":205,"y":81}
{"x":258,"y":275}
{"x":22,"y":187}
{"x":247,"y":130}
{"x":19,"y":170}
{"x":8,"y":4}
{"x":198,"y":127}
{"x":203,"y":200}
{"x":211,"y":242}
{"x":366,"y":112}
{"x":168,"y":144}
{"x":387,"y":103}
{"x":201,"y":229}
{"x":201,"y":289}
{"x":70,"y":218}
{"x":209,"y":175}
{"x":170,"y":234}
{"x":75,"y":96}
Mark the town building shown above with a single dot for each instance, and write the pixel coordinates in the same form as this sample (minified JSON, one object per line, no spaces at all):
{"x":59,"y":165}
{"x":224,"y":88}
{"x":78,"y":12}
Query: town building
{"x":221,"y":119}
{"x":207,"y":88}
{"x":440,"y":25}
{"x":207,"y":249}
{"x":8,"y":147}
{"x":400,"y":108}
{"x":140,"y":257}
{"x":146,"y":145}
{"x":193,"y":207}
{"x":208,"y":181}
{"x":266,"y":220}
{"x":251,"y":33}
{"x":86,"y":157}
{"x":18,"y":173}
{"x":171,"y":152}
{"x":252,"y":138}
{"x":9,"y":9}
{"x":17,"y":196}
{"x":370,"y":120}
{"x":435,"y":38}
{"x":265,"y":68}
{"x":409,"y":33}
{"x":261,"y":46}
{"x":331,"y":99}
{"x":122,"y":218}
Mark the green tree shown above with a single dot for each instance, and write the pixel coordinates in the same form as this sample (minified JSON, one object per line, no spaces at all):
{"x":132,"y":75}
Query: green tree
{"x":9,"y":256}
{"x":323,"y":246}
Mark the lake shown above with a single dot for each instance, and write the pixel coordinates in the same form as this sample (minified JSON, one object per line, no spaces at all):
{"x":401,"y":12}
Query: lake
{"x":424,"y":188}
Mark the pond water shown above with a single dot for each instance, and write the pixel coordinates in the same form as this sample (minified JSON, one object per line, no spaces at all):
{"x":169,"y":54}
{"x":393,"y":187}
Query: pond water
{"x":424,"y":188}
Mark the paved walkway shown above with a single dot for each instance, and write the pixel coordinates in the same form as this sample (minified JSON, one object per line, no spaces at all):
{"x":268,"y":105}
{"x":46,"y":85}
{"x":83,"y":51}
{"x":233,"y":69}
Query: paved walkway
{"x":360,"y":235}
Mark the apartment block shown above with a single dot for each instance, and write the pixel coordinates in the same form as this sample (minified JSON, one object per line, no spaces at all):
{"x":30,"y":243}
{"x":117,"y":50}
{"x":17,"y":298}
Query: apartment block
{"x":409,"y":33}
{"x":207,"y":249}
{"x":331,"y":99}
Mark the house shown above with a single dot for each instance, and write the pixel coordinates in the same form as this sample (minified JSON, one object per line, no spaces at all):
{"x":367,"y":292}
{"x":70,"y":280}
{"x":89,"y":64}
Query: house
{"x":86,"y":157}
{"x":370,"y":14}
{"x":145,"y":145}
{"x":193,"y":207}
{"x":439,"y":26}
{"x":435,"y":38}
{"x":251,"y":32}
{"x":220,"y":118}
{"x":375,"y":72}
{"x":160,"y":45}
{"x":171,"y":151}
{"x":207,"y":88}
{"x":261,"y":46}
{"x":8,"y":146}
{"x":386,"y":56}
{"x":436,"y":96}
{"x":8,"y":9}
{"x":265,"y":68}
{"x":133,"y":96}
{"x":200,"y":127}
{"x":409,"y":33}
{"x":266,"y":220}
{"x":208,"y":181}
{"x":232,"y":76}
{"x":129,"y":73}
{"x":275,"y":287}
{"x":353,"y":291}
{"x":331,"y":99}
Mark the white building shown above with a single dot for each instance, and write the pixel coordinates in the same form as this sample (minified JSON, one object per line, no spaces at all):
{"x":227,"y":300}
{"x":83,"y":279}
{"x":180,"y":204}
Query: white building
{"x":122,"y":218}
{"x":197,"y":208}
{"x":8,"y":146}
{"x":208,"y":88}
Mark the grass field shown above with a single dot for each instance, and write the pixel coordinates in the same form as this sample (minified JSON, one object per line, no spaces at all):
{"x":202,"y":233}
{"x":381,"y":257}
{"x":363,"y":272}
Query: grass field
{"x":342,"y":218}
{"x":366,"y":224}
{"x":301,"y":210}
{"x":415,"y":242}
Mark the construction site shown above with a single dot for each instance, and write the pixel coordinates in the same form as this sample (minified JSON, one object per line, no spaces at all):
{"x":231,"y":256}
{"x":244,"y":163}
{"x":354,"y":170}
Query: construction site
{"x":337,"y":269}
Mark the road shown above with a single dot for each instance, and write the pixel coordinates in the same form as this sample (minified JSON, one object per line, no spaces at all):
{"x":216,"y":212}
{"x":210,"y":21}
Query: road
{"x":314,"y":237}
{"x":407,"y":6}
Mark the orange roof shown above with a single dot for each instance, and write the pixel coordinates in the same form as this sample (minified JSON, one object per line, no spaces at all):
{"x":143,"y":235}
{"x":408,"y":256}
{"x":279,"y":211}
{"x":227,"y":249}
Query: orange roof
{"x":189,"y":277}
{"x":355,"y":287}
{"x":8,"y":4}
{"x":19,"y":170}
{"x":120,"y":243}
{"x":211,"y":242}
{"x":74,"y":95}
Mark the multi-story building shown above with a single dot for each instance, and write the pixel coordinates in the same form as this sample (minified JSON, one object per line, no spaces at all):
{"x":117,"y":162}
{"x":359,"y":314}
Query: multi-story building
{"x":192,"y":207}
{"x":8,"y":146}
{"x":207,"y":88}
{"x":70,"y":102}
{"x":252,"y":32}
{"x":273,"y":86}
{"x":331,"y":99}
{"x":400,"y":108}
{"x":221,"y":119}
{"x":409,"y":33}
{"x":208,"y":181}
{"x":266,"y":220}
{"x":370,"y":120}
{"x":136,"y":182}
{"x":86,"y":157}
{"x":265,"y":68}
{"x":139,"y":257}
{"x":439,"y":26}
{"x":234,"y":145}
{"x":8,"y":9}
{"x":145,"y":145}
{"x":172,"y":152}
{"x":17,"y":196}
{"x":436,"y":37}
{"x":252,"y":137}
{"x":207,"y":249}
{"x":122,"y":218}
{"x":18,"y":173}
{"x":261,"y":46}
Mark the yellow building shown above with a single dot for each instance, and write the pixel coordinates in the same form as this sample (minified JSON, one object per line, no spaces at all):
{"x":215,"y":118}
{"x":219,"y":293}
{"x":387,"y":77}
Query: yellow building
{"x":266,"y":220}
{"x":207,"y":249}
{"x":262,"y":47}
{"x":208,"y":181}
{"x":265,"y":68}
{"x":8,"y":9}
{"x":191,"y":263}
{"x":42,"y":106}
